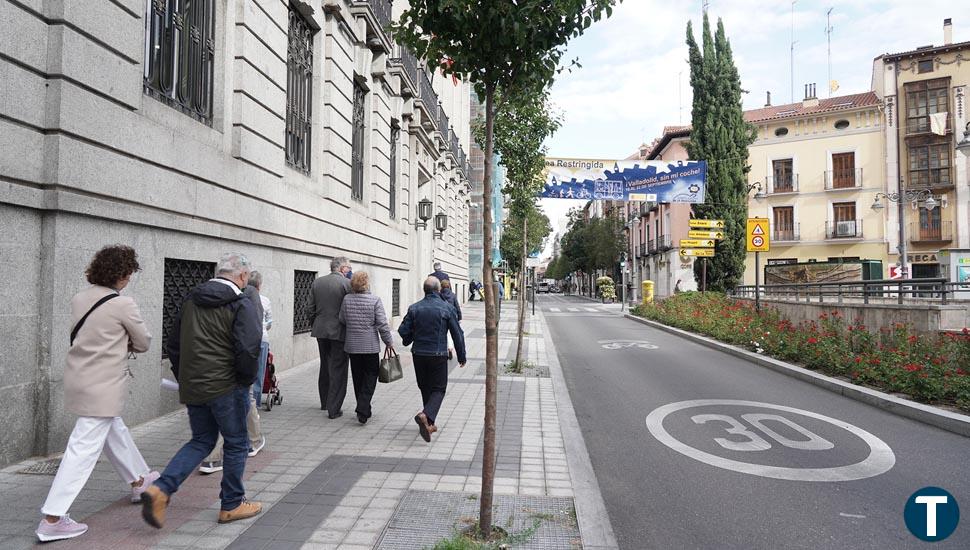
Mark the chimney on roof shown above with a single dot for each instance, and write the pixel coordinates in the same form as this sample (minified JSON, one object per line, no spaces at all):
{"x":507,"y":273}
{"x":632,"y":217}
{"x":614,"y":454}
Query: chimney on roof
{"x":947,"y":31}
{"x":768,"y":100}
{"x":810,"y":99}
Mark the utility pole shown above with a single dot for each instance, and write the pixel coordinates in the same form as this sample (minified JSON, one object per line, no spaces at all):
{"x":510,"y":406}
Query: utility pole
{"x":828,"y":33}
{"x":791,"y":62}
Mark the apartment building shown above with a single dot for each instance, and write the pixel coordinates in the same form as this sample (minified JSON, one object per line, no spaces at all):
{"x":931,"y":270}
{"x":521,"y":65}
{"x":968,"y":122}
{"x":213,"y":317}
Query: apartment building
{"x":290,"y":131}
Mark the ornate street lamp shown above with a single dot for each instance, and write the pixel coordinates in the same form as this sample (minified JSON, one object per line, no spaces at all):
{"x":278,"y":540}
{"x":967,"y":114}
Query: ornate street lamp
{"x":424,"y":213}
{"x":914,"y":196}
{"x":756,"y":185}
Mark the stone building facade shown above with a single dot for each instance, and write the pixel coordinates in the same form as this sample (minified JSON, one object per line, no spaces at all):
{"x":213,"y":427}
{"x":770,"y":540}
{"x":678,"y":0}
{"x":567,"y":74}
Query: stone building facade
{"x":290,"y":131}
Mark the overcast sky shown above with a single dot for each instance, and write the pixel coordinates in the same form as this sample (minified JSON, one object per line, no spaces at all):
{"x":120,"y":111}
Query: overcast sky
{"x":634,"y":78}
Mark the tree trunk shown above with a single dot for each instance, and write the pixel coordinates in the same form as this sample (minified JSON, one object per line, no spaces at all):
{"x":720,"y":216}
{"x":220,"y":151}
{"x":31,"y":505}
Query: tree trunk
{"x":522,"y":303}
{"x":491,"y":324}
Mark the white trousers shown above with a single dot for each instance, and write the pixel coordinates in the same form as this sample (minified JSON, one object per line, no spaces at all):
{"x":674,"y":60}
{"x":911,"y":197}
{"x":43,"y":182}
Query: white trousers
{"x":91,"y":435}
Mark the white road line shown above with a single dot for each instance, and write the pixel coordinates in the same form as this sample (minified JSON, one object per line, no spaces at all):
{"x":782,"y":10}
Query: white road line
{"x":554,"y":309}
{"x":574,"y":309}
{"x":843,"y":514}
{"x":591,"y":310}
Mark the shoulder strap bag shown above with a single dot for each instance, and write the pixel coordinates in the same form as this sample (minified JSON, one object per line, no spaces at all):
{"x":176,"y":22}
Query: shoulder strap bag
{"x":96,"y":305}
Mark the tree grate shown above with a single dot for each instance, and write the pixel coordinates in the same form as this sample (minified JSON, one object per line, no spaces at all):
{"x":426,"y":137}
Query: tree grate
{"x":44,"y":467}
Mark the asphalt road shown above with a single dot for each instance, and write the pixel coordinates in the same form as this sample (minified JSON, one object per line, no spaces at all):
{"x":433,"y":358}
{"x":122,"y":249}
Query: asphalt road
{"x":797,"y":481}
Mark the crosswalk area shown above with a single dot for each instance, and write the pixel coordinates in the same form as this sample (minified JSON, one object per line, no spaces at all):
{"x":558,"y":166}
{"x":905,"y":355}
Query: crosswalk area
{"x":563,"y":305}
{"x":573,"y":309}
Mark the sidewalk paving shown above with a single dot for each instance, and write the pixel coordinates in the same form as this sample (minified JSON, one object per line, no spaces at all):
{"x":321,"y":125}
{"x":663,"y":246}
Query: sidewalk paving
{"x":336,"y":484}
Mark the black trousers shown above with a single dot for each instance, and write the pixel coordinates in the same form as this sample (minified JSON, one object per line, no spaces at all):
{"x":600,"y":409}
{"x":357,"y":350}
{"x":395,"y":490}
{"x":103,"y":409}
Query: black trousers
{"x":432,"y":376}
{"x":332,"y":380}
{"x":364,"y":368}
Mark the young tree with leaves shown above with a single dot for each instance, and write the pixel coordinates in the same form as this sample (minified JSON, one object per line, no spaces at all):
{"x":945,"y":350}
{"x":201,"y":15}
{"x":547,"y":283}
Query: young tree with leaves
{"x":507,"y":47}
{"x":720,"y":135}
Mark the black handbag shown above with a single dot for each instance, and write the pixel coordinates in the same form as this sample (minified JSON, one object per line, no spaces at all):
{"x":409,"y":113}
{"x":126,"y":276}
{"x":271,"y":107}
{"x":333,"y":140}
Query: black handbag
{"x":390,"y":369}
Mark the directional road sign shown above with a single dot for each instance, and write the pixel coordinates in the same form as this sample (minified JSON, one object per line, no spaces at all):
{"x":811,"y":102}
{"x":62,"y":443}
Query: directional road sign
{"x":707,"y":224}
{"x":757,"y":235}
{"x":703,"y":234}
{"x":697,"y":243}
{"x":698,"y":252}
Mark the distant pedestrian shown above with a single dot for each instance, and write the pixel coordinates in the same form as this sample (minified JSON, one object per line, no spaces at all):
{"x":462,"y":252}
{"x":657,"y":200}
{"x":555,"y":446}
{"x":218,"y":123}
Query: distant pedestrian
{"x":438,"y":273}
{"x":449,"y":297}
{"x":425,"y":329}
{"x":214,"y":350}
{"x":363,"y":315}
{"x":254,"y":428}
{"x":677,"y":289}
{"x":326,"y":297}
{"x":106,"y":327}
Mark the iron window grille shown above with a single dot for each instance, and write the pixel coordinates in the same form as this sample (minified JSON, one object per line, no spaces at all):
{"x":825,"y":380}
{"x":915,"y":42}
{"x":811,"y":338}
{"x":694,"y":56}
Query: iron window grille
{"x":299,"y":92}
{"x":395,"y":297}
{"x":179,"y":52}
{"x":302,"y":289}
{"x":392,"y":186}
{"x":357,"y":153}
{"x":180,"y":277}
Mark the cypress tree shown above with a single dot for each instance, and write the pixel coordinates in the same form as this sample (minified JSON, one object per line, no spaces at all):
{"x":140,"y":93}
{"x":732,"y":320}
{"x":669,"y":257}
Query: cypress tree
{"x":720,"y":135}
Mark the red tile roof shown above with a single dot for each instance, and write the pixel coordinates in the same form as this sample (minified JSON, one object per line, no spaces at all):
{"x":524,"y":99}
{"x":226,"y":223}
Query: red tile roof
{"x":926,"y":50}
{"x":826,"y":105}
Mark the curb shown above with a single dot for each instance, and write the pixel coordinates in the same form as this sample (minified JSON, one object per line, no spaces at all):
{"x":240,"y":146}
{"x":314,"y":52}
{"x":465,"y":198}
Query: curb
{"x":927,"y":414}
{"x":594,"y":522}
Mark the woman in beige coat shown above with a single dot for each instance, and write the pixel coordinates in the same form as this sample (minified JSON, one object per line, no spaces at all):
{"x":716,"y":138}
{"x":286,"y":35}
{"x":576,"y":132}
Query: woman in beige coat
{"x":106,"y":327}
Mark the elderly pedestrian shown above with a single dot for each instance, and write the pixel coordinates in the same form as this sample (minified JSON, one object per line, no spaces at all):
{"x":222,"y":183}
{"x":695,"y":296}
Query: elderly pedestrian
{"x":363,"y":315}
{"x":106,"y":327}
{"x":214,"y":349}
{"x":425,"y":329}
{"x":451,"y":299}
{"x":438,"y":273}
{"x":326,"y":297}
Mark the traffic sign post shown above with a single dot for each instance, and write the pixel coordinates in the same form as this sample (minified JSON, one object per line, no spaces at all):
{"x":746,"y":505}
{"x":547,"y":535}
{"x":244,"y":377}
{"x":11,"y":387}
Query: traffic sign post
{"x":705,"y":234}
{"x":707,"y":224}
{"x":697,"y":252}
{"x":757,"y":241}
{"x":697,"y":243}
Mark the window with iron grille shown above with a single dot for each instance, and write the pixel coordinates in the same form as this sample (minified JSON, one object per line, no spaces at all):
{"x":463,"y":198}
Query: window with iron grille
{"x":395,"y":297}
{"x":395,"y":137}
{"x":302,"y":288}
{"x":299,"y":92}
{"x":180,"y":277}
{"x":357,"y":153}
{"x":179,"y":51}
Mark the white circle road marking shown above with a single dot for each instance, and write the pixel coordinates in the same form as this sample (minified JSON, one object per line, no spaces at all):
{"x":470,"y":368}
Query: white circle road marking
{"x":880,"y":460}
{"x":621,"y":344}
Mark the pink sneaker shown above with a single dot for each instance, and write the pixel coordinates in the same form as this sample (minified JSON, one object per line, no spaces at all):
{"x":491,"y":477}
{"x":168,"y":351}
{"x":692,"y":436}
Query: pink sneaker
{"x":149,"y":478}
{"x":65,"y":528}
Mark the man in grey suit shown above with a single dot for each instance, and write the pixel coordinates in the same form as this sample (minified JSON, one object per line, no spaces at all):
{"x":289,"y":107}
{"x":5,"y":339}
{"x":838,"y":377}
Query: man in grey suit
{"x":325,"y":299}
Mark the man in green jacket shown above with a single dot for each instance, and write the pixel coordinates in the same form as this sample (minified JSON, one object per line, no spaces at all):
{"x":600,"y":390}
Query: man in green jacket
{"x":214,"y":350}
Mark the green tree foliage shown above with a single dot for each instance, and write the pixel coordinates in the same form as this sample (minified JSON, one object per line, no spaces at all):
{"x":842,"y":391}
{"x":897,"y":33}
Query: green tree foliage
{"x":594,"y":244}
{"x":509,"y":47}
{"x":720,"y":135}
{"x":511,"y":244}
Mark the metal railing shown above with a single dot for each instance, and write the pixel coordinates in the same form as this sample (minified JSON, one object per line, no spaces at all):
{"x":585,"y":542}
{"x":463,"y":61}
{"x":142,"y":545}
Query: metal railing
{"x":843,"y":179}
{"x":786,"y":233}
{"x":876,"y":291}
{"x":382,"y":11}
{"x":843,"y":229}
{"x":651,"y":246}
{"x":643,"y":250}
{"x":934,"y":232}
{"x":784,"y":185}
{"x":443,"y":123}
{"x":663,"y":242}
{"x":426,"y":94}
{"x":406,"y":58}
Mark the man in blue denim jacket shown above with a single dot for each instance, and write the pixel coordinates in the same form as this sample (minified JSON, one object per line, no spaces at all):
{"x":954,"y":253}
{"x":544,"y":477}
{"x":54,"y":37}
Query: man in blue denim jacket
{"x":426,"y":326}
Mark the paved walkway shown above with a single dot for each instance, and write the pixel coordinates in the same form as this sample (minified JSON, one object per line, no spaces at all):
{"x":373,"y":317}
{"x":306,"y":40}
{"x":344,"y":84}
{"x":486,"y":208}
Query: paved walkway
{"x":338,"y":484}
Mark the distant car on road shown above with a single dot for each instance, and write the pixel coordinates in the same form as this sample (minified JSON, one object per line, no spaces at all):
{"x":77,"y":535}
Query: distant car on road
{"x":543,"y":287}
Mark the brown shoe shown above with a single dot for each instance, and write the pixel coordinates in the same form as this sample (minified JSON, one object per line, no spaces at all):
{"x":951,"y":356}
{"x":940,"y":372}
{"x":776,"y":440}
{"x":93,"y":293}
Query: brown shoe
{"x":422,"y":421}
{"x":154,"y":501}
{"x":245,"y":510}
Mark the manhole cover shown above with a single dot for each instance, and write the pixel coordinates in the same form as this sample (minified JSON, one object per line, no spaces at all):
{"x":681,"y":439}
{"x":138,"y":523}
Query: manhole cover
{"x":44,"y":467}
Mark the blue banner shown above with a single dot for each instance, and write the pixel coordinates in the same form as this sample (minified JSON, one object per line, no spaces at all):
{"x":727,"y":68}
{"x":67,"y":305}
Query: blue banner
{"x":625,"y":180}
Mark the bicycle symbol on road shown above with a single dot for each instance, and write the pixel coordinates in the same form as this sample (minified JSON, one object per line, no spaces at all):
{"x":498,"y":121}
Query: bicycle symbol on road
{"x":626,"y":344}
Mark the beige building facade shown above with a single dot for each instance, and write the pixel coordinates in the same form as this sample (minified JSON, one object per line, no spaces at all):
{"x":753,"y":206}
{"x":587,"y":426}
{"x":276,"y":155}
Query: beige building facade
{"x":290,"y":131}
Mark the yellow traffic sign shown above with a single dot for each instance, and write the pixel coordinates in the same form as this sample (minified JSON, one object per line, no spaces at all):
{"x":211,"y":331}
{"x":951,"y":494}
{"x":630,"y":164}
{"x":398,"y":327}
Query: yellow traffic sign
{"x":697,"y":243}
{"x":701,"y":234}
{"x":707,"y":224}
{"x":698,"y":252}
{"x":757,"y":235}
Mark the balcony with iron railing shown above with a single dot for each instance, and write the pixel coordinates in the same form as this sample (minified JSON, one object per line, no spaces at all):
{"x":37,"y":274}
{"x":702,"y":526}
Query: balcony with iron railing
{"x":778,"y":186}
{"x":785,"y":233}
{"x":409,"y":62}
{"x":664,"y":242}
{"x":651,"y":246}
{"x":643,"y":250}
{"x":843,"y":179}
{"x":933,"y":232}
{"x":443,"y":124}
{"x":843,"y":229}
{"x":428,"y":97}
{"x":380,"y":11}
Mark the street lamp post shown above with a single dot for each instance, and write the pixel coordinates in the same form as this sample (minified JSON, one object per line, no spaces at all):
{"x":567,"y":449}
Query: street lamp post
{"x":914,"y":196}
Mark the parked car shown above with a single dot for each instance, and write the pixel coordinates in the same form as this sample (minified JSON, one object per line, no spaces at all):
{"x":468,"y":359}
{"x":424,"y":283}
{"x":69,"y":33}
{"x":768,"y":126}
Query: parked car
{"x":543,"y":287}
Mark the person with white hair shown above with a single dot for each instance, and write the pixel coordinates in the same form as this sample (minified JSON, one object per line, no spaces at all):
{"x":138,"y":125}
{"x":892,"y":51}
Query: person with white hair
{"x":214,"y":350}
{"x":438,"y":273}
{"x":326,"y":297}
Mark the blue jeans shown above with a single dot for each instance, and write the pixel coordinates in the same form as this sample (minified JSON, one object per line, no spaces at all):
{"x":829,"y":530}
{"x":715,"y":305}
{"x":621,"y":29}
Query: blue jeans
{"x":260,"y":373}
{"x":225,"y":415}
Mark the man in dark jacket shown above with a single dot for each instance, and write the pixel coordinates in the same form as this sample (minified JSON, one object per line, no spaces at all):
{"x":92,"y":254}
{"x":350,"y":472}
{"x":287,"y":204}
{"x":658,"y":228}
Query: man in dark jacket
{"x":214,"y":349}
{"x":326,"y":297}
{"x":426,"y":326}
{"x":438,"y":273}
